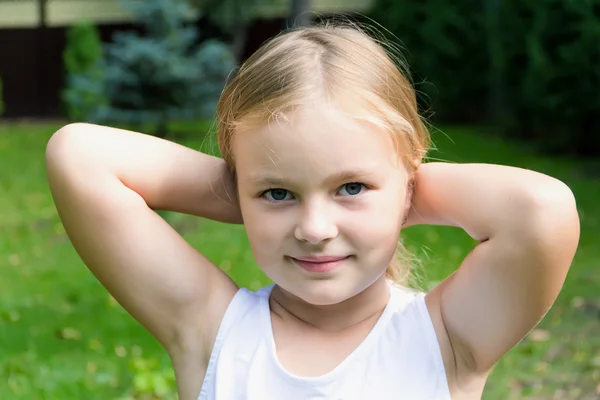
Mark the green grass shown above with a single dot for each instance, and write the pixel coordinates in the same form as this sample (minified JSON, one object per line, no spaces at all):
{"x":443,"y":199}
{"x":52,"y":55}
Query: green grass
{"x":63,"y":337}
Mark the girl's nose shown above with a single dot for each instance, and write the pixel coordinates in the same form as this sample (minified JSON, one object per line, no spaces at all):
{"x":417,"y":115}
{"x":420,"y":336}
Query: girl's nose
{"x":316,"y":224}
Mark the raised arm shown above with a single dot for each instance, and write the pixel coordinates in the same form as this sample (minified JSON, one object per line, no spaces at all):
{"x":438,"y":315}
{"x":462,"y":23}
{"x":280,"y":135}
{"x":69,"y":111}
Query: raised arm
{"x":106,"y":183}
{"x":528,"y":230}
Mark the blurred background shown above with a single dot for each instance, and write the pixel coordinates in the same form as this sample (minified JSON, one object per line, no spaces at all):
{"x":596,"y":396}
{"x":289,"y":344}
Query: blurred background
{"x":500,"y":81}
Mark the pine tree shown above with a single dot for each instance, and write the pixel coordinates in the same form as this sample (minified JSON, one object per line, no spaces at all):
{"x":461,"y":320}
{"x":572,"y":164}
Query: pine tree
{"x":163,"y":74}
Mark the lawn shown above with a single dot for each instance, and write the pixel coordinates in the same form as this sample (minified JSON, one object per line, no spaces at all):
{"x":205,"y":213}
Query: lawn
{"x":63,"y":337}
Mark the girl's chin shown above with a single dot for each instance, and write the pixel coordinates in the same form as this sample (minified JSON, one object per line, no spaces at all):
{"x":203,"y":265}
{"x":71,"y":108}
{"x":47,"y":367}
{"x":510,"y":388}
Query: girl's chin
{"x":323,"y":293}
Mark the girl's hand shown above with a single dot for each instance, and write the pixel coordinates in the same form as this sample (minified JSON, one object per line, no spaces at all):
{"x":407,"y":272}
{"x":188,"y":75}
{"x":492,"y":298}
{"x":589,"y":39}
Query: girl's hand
{"x":527,"y":227}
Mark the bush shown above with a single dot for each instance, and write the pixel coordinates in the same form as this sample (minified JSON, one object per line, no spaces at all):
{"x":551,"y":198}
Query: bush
{"x":442,"y":43}
{"x":163,"y":75}
{"x":553,"y":49}
{"x":528,"y":67}
{"x":82,"y":59}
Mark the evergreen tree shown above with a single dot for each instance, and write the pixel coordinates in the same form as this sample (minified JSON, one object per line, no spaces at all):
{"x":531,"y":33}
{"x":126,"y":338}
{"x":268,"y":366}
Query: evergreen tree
{"x":162,"y":74}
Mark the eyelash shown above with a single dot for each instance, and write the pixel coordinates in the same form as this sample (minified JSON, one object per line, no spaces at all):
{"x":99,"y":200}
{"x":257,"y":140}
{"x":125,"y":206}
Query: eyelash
{"x":363,"y":186}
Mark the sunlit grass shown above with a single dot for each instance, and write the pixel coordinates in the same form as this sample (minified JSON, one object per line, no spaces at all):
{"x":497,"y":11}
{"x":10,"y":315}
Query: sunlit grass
{"x":63,"y":337}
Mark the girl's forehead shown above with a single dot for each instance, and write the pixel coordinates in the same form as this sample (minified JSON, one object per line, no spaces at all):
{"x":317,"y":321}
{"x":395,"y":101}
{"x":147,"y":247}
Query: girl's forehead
{"x":316,"y":128}
{"x":315,"y":141}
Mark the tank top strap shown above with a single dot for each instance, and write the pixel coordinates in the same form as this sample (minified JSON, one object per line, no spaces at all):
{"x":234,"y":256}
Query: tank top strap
{"x":241,"y":304}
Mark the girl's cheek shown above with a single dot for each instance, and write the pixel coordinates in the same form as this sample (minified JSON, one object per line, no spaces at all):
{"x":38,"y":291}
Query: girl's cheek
{"x":267,"y":223}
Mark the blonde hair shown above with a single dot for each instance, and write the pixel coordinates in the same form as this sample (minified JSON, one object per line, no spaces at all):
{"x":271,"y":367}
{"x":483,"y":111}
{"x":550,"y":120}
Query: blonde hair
{"x":344,"y":65}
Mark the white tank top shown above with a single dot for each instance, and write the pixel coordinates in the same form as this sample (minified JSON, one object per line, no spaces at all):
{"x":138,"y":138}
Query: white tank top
{"x":399,"y":359}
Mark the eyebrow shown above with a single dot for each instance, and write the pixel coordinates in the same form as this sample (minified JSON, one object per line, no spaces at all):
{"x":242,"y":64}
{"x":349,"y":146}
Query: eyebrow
{"x":262,"y":178}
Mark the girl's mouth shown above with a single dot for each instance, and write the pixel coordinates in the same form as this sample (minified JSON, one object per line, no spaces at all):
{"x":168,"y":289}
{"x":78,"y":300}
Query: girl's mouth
{"x":322,"y":264}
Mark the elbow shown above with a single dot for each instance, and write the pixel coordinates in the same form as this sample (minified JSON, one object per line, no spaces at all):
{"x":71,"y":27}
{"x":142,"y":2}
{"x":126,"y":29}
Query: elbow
{"x":64,"y":146}
{"x":552,"y":217}
{"x":554,"y":199}
{"x":63,"y":138}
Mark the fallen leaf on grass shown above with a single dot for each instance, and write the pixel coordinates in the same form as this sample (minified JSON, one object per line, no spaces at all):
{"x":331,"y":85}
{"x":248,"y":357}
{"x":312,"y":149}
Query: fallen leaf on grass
{"x":515,"y":384}
{"x":91,"y":367}
{"x":541,"y":366}
{"x":65,"y":307}
{"x":136,"y":351}
{"x":580,"y":356}
{"x":120,"y":351}
{"x":577,"y":302}
{"x":553,"y":352}
{"x":69,"y":334}
{"x":14,"y":260}
{"x":539,"y":335}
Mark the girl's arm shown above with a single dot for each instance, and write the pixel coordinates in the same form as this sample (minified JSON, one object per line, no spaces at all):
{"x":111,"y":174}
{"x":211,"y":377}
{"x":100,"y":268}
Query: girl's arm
{"x":527,"y":227}
{"x":106,"y":183}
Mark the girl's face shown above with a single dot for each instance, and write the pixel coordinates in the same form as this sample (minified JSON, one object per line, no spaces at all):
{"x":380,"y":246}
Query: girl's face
{"x":322,"y":196}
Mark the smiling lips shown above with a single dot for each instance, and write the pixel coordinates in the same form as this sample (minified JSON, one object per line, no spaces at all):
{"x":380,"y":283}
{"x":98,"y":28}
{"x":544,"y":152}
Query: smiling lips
{"x":320,"y":264}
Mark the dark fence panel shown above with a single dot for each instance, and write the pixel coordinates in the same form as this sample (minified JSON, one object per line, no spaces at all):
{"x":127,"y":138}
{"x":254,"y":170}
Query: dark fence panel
{"x":31,"y":65}
{"x":31,"y":68}
{"x":21,"y":61}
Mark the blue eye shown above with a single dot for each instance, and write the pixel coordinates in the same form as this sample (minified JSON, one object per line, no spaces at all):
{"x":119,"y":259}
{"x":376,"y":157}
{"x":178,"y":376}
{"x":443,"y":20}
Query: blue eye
{"x":277,"y":195}
{"x":352,"y":189}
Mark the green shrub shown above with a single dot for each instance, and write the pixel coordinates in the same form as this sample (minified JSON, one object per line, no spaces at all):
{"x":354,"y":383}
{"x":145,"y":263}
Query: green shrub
{"x":553,"y":50}
{"x":82,"y":58}
{"x":442,"y":42}
{"x":83,"y":49}
{"x":530,"y":68}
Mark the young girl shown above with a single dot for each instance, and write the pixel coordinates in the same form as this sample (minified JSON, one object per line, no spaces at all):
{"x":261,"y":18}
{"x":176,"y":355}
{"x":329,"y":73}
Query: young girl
{"x":322,"y":162}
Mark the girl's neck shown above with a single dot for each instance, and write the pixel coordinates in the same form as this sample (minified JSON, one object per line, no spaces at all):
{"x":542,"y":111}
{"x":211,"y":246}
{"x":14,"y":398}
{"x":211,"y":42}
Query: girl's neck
{"x":367,"y":305}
